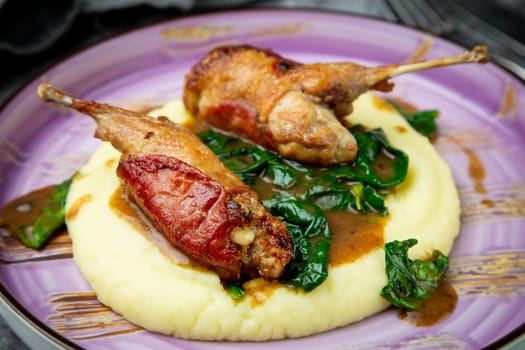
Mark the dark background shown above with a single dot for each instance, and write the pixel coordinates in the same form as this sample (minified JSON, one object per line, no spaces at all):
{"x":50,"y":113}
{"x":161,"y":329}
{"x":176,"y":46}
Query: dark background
{"x":35,"y":34}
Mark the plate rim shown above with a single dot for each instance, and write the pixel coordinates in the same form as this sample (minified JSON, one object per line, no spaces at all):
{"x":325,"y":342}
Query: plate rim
{"x":18,"y":316}
{"x":201,"y":13}
{"x":515,"y":337}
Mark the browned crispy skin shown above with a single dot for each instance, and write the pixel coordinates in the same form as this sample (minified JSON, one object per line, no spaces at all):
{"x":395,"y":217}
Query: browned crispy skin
{"x":270,"y":100}
{"x":287,"y":106}
{"x":187,"y":193}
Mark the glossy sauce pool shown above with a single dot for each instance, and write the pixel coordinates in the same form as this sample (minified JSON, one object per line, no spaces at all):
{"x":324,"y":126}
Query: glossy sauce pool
{"x":435,"y":309}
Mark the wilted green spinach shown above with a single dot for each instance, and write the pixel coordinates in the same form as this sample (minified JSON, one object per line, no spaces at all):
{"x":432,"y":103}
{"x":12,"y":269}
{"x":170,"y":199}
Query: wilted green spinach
{"x":410,"y":281}
{"x":423,"y":122}
{"x":302,"y":193}
{"x":50,"y":219}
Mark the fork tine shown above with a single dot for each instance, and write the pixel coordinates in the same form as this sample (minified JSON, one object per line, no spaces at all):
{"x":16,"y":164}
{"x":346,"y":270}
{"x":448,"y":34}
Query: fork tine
{"x":440,"y":24}
{"x":422,"y":15}
{"x":405,"y":11}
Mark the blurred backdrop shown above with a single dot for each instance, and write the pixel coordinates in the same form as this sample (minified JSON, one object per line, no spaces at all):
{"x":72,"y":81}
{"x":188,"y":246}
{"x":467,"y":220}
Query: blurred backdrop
{"x":35,"y":34}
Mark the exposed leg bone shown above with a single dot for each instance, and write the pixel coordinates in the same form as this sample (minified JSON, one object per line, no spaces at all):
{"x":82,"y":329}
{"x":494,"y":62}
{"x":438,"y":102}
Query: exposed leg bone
{"x":288,"y":106}
{"x":187,"y":193}
{"x":478,"y":54}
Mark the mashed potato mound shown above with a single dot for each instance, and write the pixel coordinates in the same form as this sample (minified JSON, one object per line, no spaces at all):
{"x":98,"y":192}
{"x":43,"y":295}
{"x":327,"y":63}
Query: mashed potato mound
{"x":130,"y":274}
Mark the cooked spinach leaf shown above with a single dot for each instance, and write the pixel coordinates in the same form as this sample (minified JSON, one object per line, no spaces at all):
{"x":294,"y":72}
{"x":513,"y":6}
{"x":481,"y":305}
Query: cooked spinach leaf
{"x":236,"y":290}
{"x":216,"y":141}
{"x":367,"y":195}
{"x":249,"y":162}
{"x":354,"y":186}
{"x":310,"y":236}
{"x":377,"y":163}
{"x":410,"y":281}
{"x":50,"y":219}
{"x":331,"y":195}
{"x":423,"y":122}
{"x":301,"y":192}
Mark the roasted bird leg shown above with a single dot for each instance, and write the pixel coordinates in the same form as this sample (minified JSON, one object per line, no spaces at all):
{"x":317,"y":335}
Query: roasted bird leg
{"x":293,"y":108}
{"x":187,"y":193}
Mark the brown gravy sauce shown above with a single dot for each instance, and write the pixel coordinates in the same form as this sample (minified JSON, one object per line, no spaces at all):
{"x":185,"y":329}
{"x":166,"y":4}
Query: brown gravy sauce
{"x":260,"y":290}
{"x":23,"y":211}
{"x":382,"y":104}
{"x":77,"y":205}
{"x":435,"y":309}
{"x":476,"y":169}
{"x":353,"y":235}
{"x":124,"y":209}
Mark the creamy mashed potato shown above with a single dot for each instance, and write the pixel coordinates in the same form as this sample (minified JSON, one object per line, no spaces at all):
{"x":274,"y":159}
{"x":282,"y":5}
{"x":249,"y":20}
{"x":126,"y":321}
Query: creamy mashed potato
{"x":161,"y":293}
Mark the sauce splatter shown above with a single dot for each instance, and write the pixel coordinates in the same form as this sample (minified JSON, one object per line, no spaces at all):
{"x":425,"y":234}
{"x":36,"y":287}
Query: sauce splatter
{"x":401,"y":129}
{"x":384,"y":105}
{"x":476,"y":170}
{"x":77,"y":205}
{"x":260,"y":290}
{"x":195,"y":33}
{"x":353,"y":235}
{"x":509,"y":104}
{"x":487,"y":203}
{"x":435,"y":309}
{"x":421,"y":51}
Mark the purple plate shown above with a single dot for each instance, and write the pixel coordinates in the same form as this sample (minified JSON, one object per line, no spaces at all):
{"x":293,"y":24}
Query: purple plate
{"x":44,"y":297}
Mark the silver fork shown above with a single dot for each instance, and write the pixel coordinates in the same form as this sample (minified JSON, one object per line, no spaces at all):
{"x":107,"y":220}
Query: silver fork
{"x":450,"y":20}
{"x":421,"y":14}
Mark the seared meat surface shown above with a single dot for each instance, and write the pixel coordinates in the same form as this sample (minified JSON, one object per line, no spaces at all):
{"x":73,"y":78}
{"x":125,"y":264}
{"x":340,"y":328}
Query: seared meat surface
{"x":293,"y":108}
{"x":187,"y":193}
